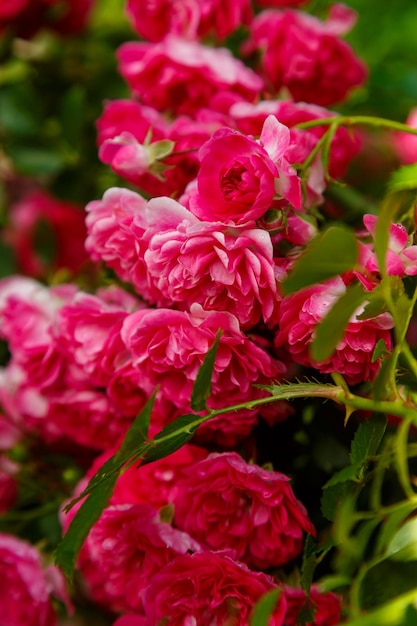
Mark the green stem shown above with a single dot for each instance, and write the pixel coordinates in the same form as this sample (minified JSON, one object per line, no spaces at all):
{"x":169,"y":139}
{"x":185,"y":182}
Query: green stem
{"x":357,"y":120}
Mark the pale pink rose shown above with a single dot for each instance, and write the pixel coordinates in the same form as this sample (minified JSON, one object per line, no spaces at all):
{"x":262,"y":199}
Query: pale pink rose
{"x":125,"y":548}
{"x":401,"y":259}
{"x":207,"y":589}
{"x":110,"y":238}
{"x":26,"y":586}
{"x":222,"y":268}
{"x":38,"y":222}
{"x":188,"y":18}
{"x":325,"y":607}
{"x":228,"y":503}
{"x":168,"y":348}
{"x":405,"y":144}
{"x":240,"y":177}
{"x":126,"y":156}
{"x":300,"y":314}
{"x":305,"y":55}
{"x":182,"y":76}
{"x":123,"y":128}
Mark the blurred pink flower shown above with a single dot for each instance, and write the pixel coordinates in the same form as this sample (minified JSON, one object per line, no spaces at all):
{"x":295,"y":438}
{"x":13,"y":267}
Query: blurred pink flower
{"x":405,"y":144}
{"x":188,"y":18}
{"x":305,"y":55}
{"x":401,"y":259}
{"x":39,"y":222}
{"x":26,"y":586}
{"x":183,"y":76}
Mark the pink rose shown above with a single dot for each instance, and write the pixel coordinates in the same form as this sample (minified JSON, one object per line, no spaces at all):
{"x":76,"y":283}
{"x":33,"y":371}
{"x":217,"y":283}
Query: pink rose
{"x":301,"y":313}
{"x":325,"y":606}
{"x":126,"y":547}
{"x":206,"y":589}
{"x":26,"y":586}
{"x":169,"y":346}
{"x":182,"y":76}
{"x":239,"y":177}
{"x":188,"y":18}
{"x":228,"y":503}
{"x":307,"y":56}
{"x":221,"y":267}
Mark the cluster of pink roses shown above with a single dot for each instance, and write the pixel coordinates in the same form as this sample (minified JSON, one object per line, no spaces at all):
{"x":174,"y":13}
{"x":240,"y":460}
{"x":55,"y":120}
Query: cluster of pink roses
{"x":195,"y":539}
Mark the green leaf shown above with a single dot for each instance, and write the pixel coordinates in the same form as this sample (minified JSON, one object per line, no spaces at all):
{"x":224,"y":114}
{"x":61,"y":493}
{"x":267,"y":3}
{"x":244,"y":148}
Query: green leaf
{"x":332,"y":497}
{"x":88,"y":513}
{"x":403,"y":178}
{"x":379,"y":350}
{"x":386,"y":581}
{"x":331,"y":329}
{"x":161,"y":149}
{"x":264,"y":609}
{"x":392,"y":523}
{"x":309,"y":563}
{"x":171,"y":438}
{"x":403,"y":546}
{"x":348,"y":473}
{"x":98,"y":493}
{"x":202,"y":386}
{"x":367,"y":439}
{"x":330,"y":254}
